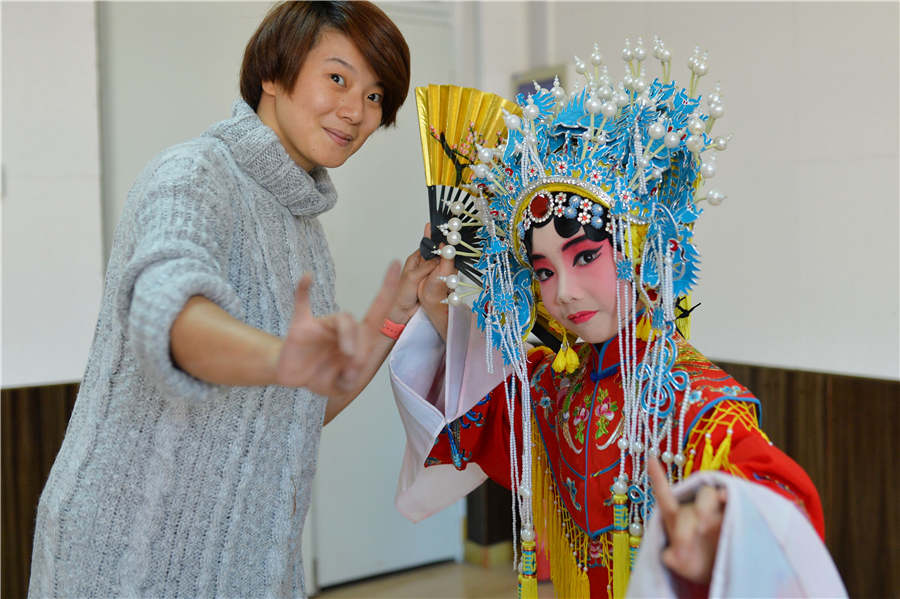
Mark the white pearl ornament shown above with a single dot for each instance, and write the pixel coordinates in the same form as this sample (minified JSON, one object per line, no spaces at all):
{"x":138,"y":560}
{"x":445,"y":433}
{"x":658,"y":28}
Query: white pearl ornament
{"x":579,"y":66}
{"x":513,"y":122}
{"x":694,"y":143}
{"x":715,"y":197}
{"x":696,"y":125}
{"x":672,"y":139}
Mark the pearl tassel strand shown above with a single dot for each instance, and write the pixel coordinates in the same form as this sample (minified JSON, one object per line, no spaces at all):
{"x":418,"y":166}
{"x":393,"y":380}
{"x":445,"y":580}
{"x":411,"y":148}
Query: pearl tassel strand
{"x":521,"y":480}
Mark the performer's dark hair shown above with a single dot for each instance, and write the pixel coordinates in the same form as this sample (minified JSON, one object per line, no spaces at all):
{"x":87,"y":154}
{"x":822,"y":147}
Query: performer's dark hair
{"x":279,"y":46}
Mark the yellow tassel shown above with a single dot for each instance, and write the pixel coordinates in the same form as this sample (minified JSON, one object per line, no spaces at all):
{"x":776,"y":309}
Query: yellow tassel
{"x":564,"y":545}
{"x":621,"y":564}
{"x":528,"y":576}
{"x":621,"y":558}
{"x":644,"y":327}
{"x":528,"y":588}
{"x":559,"y":363}
{"x":688,"y":467}
{"x":706,"y":460}
{"x":715,"y":462}
{"x":722,"y":453}
{"x":565,"y":357}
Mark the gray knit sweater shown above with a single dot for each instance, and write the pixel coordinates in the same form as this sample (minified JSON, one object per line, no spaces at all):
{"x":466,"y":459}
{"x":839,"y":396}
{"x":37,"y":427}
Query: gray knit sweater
{"x":165,"y":485}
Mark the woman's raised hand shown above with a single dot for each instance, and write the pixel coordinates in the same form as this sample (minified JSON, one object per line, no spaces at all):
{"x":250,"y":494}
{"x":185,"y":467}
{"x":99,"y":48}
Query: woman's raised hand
{"x":692,"y":528}
{"x":327,"y":355}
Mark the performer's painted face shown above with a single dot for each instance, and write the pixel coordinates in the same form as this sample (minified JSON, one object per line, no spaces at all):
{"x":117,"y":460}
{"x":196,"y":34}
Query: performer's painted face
{"x":578,"y":282}
{"x":334,"y":107}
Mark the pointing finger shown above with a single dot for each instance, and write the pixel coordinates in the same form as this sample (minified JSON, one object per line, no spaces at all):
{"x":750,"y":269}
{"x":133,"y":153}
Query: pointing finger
{"x":665,"y":499}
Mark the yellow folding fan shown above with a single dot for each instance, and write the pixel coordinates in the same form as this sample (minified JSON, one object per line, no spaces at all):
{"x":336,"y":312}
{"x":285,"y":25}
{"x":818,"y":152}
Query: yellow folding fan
{"x":453,"y":121}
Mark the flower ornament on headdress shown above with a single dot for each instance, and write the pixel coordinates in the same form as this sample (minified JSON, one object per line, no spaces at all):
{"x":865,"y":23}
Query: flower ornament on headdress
{"x":628,"y":159}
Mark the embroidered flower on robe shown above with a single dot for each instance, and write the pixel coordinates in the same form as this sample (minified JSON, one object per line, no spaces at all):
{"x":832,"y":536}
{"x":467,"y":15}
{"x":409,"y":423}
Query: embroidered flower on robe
{"x":604,"y":411}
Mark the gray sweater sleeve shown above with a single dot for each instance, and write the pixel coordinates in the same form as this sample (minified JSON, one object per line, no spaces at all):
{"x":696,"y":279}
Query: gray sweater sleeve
{"x":180,"y":248}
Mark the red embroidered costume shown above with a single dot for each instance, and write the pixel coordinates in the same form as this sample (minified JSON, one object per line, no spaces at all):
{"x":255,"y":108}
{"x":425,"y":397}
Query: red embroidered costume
{"x":578,"y":418}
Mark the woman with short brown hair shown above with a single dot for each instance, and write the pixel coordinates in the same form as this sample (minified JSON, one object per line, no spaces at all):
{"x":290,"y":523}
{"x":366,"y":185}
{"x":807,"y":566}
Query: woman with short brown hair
{"x":187,"y":464}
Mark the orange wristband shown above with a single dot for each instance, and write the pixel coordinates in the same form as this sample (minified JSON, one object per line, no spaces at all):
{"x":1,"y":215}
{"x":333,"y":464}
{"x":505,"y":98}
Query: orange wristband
{"x":392,"y":329}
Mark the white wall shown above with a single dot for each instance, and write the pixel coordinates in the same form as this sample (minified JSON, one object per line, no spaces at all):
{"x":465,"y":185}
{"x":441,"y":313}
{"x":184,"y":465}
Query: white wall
{"x":168,"y":70}
{"x":800,"y":264}
{"x":52,"y":251}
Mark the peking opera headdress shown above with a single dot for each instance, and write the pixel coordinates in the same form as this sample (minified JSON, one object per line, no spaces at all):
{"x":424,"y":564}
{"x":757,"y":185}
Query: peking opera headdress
{"x":627,"y":158}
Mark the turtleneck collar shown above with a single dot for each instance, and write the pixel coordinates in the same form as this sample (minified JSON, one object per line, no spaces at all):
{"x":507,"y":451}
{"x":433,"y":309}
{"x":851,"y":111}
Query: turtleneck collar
{"x":259,"y":152}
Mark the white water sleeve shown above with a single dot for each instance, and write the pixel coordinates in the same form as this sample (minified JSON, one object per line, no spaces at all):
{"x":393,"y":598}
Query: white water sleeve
{"x":434,"y":385}
{"x":767,"y":548}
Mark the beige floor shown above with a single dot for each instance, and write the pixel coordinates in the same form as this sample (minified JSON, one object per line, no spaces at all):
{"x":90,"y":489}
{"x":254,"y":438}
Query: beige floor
{"x":443,"y":581}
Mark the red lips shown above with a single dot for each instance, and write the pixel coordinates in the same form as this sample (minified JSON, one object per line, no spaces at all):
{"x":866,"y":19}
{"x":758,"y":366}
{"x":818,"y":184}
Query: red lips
{"x":580,"y":317}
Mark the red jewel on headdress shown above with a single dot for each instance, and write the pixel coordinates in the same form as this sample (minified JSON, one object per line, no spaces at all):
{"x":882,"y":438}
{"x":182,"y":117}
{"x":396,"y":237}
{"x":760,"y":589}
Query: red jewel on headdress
{"x":540,"y":207}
